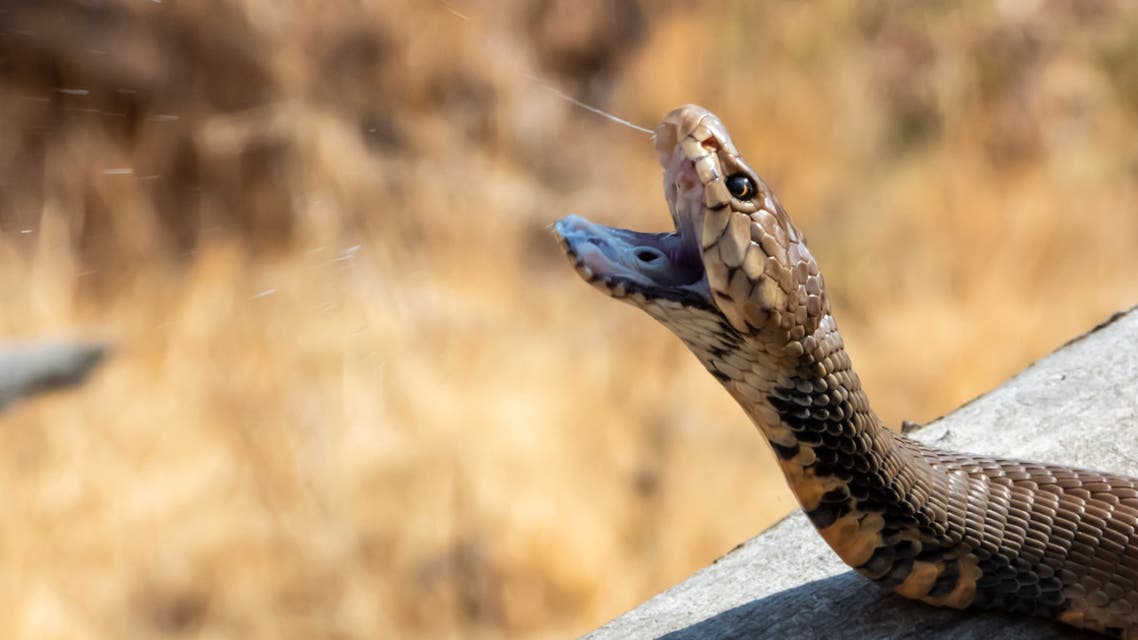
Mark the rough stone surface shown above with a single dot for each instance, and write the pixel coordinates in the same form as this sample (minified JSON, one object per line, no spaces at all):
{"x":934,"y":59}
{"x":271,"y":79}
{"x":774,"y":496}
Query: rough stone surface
{"x":31,"y":368}
{"x":1077,"y":407}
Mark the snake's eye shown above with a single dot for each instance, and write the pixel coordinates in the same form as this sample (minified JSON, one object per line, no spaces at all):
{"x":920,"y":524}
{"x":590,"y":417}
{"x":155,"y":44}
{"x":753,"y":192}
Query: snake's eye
{"x":741,"y":186}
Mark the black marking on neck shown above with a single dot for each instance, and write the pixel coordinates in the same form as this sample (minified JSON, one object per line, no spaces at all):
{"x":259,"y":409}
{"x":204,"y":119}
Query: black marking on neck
{"x":1016,"y":584}
{"x":841,"y":439}
{"x":827,"y":419}
{"x":786,"y":453}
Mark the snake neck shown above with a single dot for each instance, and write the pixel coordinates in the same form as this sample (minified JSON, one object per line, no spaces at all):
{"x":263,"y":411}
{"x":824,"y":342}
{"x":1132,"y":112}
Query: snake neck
{"x":837,"y":455}
{"x":810,"y":406}
{"x":869,"y":492}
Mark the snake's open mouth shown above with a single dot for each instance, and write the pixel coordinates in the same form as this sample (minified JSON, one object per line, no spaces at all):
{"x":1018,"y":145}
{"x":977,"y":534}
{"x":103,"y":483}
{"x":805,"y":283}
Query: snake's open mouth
{"x":622,"y":262}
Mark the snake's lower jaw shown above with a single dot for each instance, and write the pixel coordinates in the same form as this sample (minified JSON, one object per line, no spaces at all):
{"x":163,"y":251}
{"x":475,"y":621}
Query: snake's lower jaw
{"x":622,"y":262}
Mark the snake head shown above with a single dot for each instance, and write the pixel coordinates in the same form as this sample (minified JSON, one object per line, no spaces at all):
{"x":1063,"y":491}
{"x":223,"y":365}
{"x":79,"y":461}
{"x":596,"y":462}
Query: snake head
{"x":734,"y":251}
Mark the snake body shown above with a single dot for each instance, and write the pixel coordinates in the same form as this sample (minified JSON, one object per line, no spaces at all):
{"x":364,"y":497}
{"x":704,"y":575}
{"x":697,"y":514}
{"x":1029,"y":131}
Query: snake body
{"x":736,"y":282}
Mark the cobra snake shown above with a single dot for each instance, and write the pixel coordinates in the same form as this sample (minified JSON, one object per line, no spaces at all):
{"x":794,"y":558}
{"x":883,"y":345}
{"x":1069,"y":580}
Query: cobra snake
{"x":736,"y":282}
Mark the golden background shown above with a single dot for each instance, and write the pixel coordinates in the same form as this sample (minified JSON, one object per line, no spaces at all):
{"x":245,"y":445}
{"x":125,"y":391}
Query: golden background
{"x":357,"y":391}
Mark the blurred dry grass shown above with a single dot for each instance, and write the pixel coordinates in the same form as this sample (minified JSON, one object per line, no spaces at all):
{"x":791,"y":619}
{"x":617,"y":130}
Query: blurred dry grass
{"x":360,"y":395}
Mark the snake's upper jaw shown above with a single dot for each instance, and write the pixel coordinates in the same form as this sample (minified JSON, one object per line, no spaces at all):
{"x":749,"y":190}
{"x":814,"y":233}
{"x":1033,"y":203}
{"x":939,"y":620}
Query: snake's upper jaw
{"x":622,"y":262}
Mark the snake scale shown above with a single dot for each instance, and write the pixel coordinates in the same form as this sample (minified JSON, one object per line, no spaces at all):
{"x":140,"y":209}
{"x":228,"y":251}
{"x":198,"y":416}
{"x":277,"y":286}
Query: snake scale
{"x":737,"y":284}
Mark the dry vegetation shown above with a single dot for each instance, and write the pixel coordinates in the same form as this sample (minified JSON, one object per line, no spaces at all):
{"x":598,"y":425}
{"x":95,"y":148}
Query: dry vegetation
{"x":358,"y":394}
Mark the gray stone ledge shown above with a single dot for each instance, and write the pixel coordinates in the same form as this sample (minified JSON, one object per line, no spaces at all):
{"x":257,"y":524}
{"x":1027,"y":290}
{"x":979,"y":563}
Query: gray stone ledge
{"x":30,"y":368}
{"x":1076,"y":407}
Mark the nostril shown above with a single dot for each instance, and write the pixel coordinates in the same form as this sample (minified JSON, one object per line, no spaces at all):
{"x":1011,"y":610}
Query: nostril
{"x":647,"y":255}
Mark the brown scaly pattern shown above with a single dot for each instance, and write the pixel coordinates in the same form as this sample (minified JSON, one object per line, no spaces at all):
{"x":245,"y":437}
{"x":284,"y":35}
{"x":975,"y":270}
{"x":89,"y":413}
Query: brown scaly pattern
{"x":737,"y":284}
